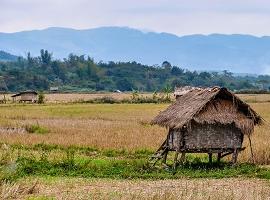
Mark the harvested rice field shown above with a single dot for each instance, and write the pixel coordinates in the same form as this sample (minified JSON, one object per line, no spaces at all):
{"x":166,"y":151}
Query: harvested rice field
{"x":212,"y":189}
{"x":68,"y":150}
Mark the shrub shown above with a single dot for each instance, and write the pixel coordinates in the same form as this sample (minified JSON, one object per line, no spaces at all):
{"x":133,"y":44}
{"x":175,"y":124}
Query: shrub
{"x":41,"y":98}
{"x":134,"y":99}
{"x":36,"y":128}
{"x":105,"y":99}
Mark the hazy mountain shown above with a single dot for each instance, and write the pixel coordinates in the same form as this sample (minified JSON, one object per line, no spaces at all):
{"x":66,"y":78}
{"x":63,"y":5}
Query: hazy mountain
{"x":4,"y":56}
{"x":237,"y":53}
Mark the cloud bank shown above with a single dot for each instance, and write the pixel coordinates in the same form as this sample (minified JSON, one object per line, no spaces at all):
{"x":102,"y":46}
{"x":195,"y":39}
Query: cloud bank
{"x":174,"y":16}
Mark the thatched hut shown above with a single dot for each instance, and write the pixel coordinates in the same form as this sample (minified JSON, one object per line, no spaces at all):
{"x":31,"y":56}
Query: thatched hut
{"x":209,"y":120}
{"x":25,"y":96}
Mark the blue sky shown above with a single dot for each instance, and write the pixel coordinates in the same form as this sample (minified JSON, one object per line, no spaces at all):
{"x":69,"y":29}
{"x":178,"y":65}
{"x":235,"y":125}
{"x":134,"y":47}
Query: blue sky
{"x":174,"y":16}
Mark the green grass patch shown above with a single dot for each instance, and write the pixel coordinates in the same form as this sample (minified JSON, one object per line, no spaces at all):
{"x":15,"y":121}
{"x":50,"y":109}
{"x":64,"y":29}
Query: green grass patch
{"x":130,"y":169}
{"x":87,"y":151}
{"x":36,"y":129}
{"x":58,"y":161}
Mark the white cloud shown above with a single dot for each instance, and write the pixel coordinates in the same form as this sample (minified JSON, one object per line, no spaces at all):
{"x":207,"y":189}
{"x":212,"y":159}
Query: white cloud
{"x":175,"y":16}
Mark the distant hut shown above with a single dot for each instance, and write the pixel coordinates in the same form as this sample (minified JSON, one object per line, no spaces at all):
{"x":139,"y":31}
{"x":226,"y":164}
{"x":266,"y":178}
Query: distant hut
{"x":54,"y":89}
{"x":209,"y":120}
{"x":26,"y":96}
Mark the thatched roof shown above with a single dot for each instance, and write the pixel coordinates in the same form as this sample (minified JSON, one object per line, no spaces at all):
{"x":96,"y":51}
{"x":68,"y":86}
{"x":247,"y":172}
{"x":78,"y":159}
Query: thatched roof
{"x":208,"y":105}
{"x":25,"y":92}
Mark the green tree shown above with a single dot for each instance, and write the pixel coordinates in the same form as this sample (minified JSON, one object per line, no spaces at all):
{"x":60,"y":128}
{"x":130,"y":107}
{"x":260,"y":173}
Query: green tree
{"x":41,"y":98}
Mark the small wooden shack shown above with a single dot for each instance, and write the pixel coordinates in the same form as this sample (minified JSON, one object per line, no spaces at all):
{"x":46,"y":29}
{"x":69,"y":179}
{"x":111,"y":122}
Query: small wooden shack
{"x":25,"y":96}
{"x":206,"y":120}
{"x":54,"y":89}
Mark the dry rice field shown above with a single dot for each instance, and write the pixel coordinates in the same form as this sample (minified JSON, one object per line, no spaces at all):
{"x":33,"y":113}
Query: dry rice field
{"x":120,"y":126}
{"x":75,"y":97}
{"x":109,"y":126}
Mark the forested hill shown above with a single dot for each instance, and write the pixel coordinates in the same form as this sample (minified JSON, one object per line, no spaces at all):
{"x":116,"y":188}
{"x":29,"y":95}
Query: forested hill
{"x":4,"y":56}
{"x":236,"y":53}
{"x":81,"y":73}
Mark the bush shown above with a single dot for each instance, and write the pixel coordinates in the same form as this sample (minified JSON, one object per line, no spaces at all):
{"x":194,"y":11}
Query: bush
{"x":137,"y":100}
{"x":36,"y":128}
{"x":41,"y":98}
{"x":106,"y":99}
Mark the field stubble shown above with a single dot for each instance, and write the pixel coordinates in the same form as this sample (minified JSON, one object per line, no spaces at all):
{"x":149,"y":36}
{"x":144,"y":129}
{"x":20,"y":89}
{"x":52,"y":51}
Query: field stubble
{"x":115,"y":127}
{"x":110,"y":126}
{"x":71,"y":188}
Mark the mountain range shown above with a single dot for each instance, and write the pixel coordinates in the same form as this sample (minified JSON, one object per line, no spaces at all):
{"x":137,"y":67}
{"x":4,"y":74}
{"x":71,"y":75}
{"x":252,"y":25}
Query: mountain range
{"x":4,"y":56}
{"x":237,"y":53}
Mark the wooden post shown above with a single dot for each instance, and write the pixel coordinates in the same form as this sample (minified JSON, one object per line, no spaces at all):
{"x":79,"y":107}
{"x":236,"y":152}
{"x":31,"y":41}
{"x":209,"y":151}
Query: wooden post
{"x":218,"y":157}
{"x":234,"y":156}
{"x":175,"y":160}
{"x":251,"y":150}
{"x":210,"y":157}
{"x":165,"y":157}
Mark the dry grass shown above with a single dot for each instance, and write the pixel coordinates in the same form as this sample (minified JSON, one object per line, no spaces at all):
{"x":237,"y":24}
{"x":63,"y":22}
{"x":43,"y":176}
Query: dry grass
{"x":85,"y":97}
{"x":16,"y":190}
{"x":121,"y":126}
{"x":260,"y":138}
{"x":197,"y":189}
{"x":116,"y":127}
{"x":255,"y":98}
{"x":102,"y":126}
{"x":73,"y":97}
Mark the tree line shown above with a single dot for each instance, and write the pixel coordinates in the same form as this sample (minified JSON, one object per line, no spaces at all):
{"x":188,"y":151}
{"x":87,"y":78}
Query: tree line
{"x":81,"y":73}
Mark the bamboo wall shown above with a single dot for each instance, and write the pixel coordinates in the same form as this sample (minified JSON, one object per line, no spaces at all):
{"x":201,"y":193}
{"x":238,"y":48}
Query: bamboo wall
{"x":206,"y":136}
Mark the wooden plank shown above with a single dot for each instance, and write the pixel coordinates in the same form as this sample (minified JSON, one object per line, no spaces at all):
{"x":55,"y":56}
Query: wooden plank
{"x":212,"y":150}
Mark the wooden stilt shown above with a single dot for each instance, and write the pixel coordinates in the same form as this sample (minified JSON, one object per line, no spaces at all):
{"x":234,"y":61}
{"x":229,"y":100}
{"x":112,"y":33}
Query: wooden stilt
{"x":251,"y":150}
{"x":160,"y":153}
{"x":165,"y":157}
{"x":182,"y":158}
{"x":210,"y":157}
{"x":175,"y":160}
{"x":234,"y":156}
{"x":218,"y":157}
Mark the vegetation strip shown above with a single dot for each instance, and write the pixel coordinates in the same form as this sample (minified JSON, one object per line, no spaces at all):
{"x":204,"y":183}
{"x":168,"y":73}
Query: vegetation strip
{"x":48,"y":160}
{"x":82,"y":74}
